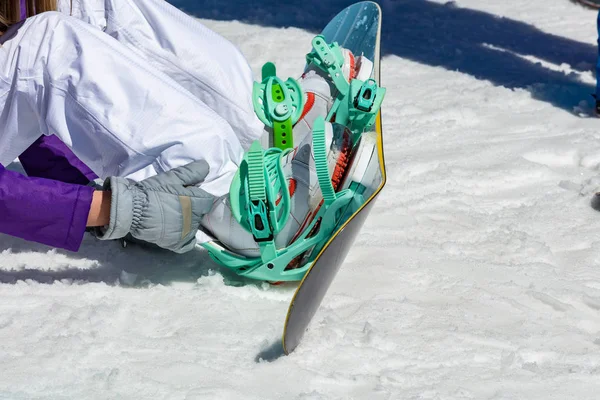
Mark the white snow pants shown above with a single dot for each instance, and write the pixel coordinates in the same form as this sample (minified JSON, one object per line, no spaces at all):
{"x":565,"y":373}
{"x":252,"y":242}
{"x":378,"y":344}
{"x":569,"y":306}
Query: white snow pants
{"x":167,"y":92}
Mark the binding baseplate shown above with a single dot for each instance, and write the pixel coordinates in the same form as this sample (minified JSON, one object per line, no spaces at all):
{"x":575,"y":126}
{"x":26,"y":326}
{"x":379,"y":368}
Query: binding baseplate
{"x":259,"y":194}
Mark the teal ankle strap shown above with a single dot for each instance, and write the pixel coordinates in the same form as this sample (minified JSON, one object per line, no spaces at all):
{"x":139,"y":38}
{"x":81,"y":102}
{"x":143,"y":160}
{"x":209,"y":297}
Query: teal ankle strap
{"x":321,"y":165}
{"x":259,"y":196}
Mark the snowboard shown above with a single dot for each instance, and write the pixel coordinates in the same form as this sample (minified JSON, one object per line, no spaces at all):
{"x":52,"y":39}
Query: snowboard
{"x":357,"y":28}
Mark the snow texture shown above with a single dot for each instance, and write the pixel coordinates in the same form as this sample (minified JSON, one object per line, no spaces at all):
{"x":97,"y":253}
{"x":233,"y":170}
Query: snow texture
{"x":475,"y":277}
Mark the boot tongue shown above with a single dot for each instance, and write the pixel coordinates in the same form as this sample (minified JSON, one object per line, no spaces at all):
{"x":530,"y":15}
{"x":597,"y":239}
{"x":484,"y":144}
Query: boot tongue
{"x":315,"y":81}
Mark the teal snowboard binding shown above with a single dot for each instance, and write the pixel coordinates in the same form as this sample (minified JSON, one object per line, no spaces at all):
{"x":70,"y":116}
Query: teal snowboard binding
{"x":259,"y":194}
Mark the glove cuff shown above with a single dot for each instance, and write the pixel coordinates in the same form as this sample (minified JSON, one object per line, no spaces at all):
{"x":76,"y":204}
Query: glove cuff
{"x":121,"y":209}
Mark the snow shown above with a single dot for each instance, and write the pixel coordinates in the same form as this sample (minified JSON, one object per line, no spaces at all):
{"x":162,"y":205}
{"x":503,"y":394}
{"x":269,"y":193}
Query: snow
{"x":475,"y":277}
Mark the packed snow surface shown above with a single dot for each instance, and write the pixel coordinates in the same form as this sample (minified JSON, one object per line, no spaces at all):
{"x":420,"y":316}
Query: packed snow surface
{"x":477,"y":275}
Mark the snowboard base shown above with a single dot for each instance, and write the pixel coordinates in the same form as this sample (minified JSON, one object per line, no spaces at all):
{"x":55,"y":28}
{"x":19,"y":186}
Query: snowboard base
{"x":357,"y":28}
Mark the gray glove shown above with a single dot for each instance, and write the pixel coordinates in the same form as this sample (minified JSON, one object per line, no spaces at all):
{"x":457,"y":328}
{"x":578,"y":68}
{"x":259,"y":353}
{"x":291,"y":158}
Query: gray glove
{"x":165,"y":209}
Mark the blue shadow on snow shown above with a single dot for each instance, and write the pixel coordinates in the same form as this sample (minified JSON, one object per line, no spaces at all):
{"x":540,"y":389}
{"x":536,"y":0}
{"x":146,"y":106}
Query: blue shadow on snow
{"x":483,"y":45}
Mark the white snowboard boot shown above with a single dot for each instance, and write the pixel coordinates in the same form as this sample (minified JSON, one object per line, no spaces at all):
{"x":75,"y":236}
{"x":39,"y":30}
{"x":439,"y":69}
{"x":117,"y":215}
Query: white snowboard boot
{"x":305,"y":193}
{"x":299,"y":165}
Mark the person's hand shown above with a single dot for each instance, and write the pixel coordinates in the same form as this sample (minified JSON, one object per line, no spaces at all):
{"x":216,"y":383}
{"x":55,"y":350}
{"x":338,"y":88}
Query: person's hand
{"x":165,"y":209}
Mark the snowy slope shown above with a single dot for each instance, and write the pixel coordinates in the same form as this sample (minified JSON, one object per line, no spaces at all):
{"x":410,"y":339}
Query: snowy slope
{"x":476,"y":276}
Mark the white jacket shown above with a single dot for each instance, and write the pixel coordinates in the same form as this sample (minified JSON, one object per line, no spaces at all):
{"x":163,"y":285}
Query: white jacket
{"x":166,"y":92}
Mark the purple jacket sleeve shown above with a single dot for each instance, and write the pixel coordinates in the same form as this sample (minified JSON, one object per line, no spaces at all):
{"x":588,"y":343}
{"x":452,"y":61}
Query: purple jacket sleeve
{"x":50,"y":158}
{"x":44,"y":211}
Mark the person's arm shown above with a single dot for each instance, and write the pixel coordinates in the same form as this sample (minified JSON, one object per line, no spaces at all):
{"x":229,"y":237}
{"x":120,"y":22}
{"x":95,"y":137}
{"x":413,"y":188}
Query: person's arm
{"x":99,"y":214}
{"x":165,"y":209}
{"x":44,"y":211}
{"x":50,"y":158}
